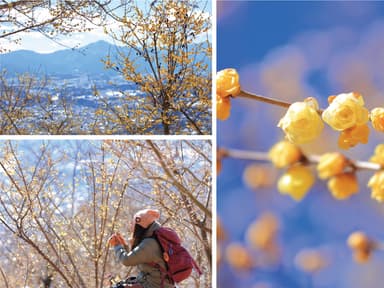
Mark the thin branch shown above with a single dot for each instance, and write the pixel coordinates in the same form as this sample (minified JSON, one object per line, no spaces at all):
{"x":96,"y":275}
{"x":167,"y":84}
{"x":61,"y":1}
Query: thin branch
{"x":4,"y":278}
{"x":269,"y":100}
{"x":311,"y":159}
{"x":245,"y":94}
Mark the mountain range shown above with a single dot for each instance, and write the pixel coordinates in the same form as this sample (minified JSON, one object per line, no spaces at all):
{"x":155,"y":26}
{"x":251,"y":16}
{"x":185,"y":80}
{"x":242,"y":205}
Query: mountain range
{"x":84,"y":60}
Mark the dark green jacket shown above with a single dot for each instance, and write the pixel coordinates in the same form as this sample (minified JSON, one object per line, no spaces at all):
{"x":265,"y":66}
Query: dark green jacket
{"x":147,"y":251}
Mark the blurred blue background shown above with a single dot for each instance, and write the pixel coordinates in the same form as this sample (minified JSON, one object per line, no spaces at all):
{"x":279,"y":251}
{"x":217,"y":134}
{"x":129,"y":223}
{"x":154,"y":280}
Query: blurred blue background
{"x":289,"y":51}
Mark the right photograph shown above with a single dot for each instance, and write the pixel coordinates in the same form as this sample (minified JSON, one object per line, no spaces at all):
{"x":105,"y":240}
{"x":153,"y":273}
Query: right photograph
{"x":300,"y":146}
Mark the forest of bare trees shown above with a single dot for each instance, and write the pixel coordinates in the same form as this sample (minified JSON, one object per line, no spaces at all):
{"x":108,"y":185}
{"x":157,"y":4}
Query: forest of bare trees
{"x":61,"y":200}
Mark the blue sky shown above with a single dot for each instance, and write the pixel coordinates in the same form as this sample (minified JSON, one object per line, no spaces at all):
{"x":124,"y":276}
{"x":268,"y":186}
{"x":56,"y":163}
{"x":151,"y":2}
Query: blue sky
{"x":291,"y":50}
{"x":37,"y":42}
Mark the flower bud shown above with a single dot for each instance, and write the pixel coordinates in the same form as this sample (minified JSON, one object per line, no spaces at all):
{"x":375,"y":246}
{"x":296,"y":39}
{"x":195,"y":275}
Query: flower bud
{"x":376,"y":183}
{"x":377,"y":119}
{"x":344,"y":185}
{"x":284,"y":153}
{"x":296,"y":182}
{"x":361,"y":245}
{"x":378,"y":156}
{"x":239,"y":257}
{"x":227,"y":83}
{"x":223,"y":107}
{"x":331,"y":164}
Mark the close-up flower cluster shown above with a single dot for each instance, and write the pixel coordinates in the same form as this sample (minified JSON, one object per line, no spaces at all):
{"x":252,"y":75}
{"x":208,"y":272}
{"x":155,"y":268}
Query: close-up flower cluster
{"x":336,"y":168}
{"x":300,"y":158}
{"x":304,"y":121}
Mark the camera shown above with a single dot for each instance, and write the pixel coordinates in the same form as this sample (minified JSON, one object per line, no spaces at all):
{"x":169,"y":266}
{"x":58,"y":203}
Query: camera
{"x":120,"y":284}
{"x":125,"y":283}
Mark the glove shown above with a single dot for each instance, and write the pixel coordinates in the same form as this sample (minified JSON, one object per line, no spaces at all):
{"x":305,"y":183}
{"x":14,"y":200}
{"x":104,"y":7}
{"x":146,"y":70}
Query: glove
{"x":116,"y":239}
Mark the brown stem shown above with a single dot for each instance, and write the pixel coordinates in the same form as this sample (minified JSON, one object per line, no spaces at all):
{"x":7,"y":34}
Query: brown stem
{"x":248,"y":95}
{"x":4,"y":278}
{"x":245,"y":94}
{"x":312,"y":159}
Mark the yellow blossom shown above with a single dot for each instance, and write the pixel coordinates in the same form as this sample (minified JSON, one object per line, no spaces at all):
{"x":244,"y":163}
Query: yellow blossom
{"x":310,"y":260}
{"x":345,"y":111}
{"x":377,"y":119}
{"x":296,"y":182}
{"x":302,"y":122}
{"x":343,"y":186}
{"x":227,"y":83}
{"x":261,"y":234}
{"x":284,"y":153}
{"x":362,"y":256}
{"x":239,"y":257}
{"x":361,"y":245}
{"x":223,"y":107}
{"x":258,"y":176}
{"x":331,"y":164}
{"x":352,"y":136}
{"x":378,"y":157}
{"x":376,"y":183}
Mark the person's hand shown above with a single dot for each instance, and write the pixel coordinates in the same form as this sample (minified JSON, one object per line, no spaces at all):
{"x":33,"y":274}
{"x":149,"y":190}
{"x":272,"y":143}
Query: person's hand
{"x":121,"y":239}
{"x":113,"y":240}
{"x":116,"y":239}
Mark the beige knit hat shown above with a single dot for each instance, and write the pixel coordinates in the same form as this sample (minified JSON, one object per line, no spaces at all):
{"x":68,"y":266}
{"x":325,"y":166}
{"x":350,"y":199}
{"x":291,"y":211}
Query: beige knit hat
{"x":145,"y":217}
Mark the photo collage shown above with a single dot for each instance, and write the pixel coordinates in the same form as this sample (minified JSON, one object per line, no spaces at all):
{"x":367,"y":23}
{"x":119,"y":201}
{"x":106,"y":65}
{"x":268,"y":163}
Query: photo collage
{"x":191,"y":144}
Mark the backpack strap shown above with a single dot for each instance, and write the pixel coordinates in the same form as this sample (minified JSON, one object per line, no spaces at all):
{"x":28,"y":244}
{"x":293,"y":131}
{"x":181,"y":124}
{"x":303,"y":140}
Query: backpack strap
{"x":197,"y":268}
{"x":163,"y":273}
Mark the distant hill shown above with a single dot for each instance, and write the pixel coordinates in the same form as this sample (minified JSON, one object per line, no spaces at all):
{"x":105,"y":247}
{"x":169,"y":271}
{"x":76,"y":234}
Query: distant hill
{"x":83,"y":60}
{"x":79,"y":61}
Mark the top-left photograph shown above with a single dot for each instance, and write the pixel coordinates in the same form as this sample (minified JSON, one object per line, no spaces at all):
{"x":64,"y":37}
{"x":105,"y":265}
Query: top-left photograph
{"x":105,"y":67}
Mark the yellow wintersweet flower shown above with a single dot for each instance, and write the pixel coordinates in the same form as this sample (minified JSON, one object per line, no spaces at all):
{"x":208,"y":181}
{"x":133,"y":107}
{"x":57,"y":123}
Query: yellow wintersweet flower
{"x":227,"y":83}
{"x":284,"y":153}
{"x":343,"y":186}
{"x":376,"y":183}
{"x":377,"y":119}
{"x":361,"y":245}
{"x":352,"y":136}
{"x":239,"y":257}
{"x":331,"y":164}
{"x":257,"y":176}
{"x":261,"y":234}
{"x":302,"y":122}
{"x":378,"y":157}
{"x":296,"y":182}
{"x":310,"y":260}
{"x":345,"y":111}
{"x":223,"y":107}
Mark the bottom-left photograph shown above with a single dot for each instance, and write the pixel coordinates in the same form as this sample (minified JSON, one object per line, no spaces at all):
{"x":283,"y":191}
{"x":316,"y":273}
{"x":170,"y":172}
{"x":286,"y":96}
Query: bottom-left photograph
{"x":105,"y":213}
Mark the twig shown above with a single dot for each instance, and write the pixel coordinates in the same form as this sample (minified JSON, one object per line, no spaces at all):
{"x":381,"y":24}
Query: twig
{"x":245,"y":94}
{"x":311,"y":159}
{"x":269,"y":100}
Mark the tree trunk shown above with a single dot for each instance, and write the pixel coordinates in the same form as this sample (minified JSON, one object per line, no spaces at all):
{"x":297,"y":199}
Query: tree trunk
{"x":164,"y":115}
{"x":164,"y":120}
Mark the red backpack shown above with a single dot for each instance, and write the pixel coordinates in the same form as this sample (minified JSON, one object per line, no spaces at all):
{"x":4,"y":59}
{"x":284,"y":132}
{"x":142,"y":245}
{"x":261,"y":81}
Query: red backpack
{"x":178,"y":261}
